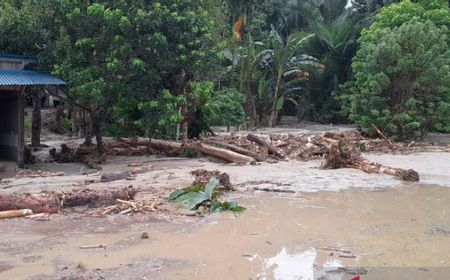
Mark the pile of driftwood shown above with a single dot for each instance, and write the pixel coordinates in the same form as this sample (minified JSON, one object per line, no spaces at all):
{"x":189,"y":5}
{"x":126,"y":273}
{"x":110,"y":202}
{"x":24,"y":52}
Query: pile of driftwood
{"x":16,"y":205}
{"x":257,"y":148}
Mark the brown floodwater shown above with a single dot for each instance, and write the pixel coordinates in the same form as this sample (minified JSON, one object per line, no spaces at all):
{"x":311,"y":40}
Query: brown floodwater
{"x":402,"y":232}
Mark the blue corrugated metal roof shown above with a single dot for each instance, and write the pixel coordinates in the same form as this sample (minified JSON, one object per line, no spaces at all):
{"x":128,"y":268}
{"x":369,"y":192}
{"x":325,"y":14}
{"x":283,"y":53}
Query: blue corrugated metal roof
{"x":27,"y":78}
{"x":16,"y":56}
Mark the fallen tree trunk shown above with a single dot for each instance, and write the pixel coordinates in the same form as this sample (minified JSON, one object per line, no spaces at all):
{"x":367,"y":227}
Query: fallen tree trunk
{"x":154,"y":143}
{"x":342,"y":155}
{"x":221,"y":153}
{"x":240,"y":150}
{"x":161,"y":145}
{"x":53,"y":202}
{"x":35,"y":204}
{"x":165,"y":145}
{"x":15,"y":213}
{"x":272,"y":149}
{"x":128,"y":151}
{"x":170,"y":146}
{"x":97,"y":198}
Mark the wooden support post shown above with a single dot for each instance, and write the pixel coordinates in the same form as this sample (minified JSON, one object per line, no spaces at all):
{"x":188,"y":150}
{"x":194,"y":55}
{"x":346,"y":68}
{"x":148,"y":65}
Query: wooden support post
{"x":185,"y":123}
{"x":21,"y":128}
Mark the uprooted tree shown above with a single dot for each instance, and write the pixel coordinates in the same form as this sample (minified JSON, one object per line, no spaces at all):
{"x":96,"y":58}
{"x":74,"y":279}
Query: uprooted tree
{"x":343,"y":155}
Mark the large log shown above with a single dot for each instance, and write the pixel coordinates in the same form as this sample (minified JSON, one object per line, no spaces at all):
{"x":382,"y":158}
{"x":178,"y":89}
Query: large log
{"x":154,"y":143}
{"x":15,"y":213}
{"x":36,"y":204}
{"x":97,"y":198}
{"x":239,"y":150}
{"x":342,"y":155}
{"x":220,"y":153}
{"x":164,"y":145}
{"x":272,"y":149}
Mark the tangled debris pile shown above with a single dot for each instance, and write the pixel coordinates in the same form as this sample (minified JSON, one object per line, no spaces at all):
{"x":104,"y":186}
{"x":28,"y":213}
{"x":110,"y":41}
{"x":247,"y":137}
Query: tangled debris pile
{"x":343,"y":155}
{"x":251,"y":148}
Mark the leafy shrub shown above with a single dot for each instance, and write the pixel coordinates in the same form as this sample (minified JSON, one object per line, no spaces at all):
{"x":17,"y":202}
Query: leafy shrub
{"x":226,"y":108}
{"x":161,"y":116}
{"x":402,"y":80}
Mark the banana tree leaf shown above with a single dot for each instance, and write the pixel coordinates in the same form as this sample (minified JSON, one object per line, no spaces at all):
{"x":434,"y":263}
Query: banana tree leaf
{"x":209,"y":189}
{"x":217,"y":206}
{"x":176,"y":194}
{"x":191,"y":200}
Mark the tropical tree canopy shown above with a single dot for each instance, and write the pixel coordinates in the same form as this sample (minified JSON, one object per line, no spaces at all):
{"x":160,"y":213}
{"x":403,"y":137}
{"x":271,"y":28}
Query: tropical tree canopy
{"x":402,"y":85}
{"x":147,"y":67}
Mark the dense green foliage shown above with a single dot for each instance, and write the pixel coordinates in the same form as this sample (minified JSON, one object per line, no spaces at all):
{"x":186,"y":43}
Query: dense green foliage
{"x":132,"y":66}
{"x":402,"y":85}
{"x":402,"y":71}
{"x":226,"y":108}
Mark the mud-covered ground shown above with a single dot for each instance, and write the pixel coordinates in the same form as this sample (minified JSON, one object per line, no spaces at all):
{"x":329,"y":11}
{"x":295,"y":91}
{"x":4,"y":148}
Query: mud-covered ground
{"x":332,"y":224}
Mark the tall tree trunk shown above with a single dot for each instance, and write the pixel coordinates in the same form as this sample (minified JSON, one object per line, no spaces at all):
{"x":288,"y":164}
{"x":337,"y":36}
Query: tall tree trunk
{"x":272,"y":119}
{"x":271,"y":122}
{"x":97,"y":131}
{"x":185,"y":114}
{"x":36,"y":120}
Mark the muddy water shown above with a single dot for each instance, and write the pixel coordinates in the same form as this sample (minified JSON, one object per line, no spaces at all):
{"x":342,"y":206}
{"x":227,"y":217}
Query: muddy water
{"x":384,"y":231}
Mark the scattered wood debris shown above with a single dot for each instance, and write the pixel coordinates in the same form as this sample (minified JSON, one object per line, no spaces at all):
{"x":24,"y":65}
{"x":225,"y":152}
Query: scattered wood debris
{"x":275,"y":190}
{"x":250,"y":149}
{"x":30,"y":173}
{"x":96,"y":246}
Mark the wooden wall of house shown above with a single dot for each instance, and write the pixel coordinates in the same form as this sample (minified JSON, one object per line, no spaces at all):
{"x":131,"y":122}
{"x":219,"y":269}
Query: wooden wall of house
{"x":11,"y":65}
{"x":9,"y":125}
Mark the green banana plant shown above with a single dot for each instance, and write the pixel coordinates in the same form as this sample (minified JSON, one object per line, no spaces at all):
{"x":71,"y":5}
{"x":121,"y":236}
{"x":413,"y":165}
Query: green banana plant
{"x":283,"y":68}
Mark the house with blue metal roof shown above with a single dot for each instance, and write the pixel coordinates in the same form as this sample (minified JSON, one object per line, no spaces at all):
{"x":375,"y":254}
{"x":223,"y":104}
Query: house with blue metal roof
{"x":15,"y":76}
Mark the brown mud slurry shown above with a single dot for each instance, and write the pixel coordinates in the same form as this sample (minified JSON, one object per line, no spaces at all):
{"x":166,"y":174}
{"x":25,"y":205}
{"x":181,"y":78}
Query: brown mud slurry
{"x":402,"y":233}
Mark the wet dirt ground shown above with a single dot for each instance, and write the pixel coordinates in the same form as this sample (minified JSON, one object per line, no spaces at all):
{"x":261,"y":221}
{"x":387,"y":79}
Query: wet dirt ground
{"x":370,"y":232}
{"x":336,"y":224}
